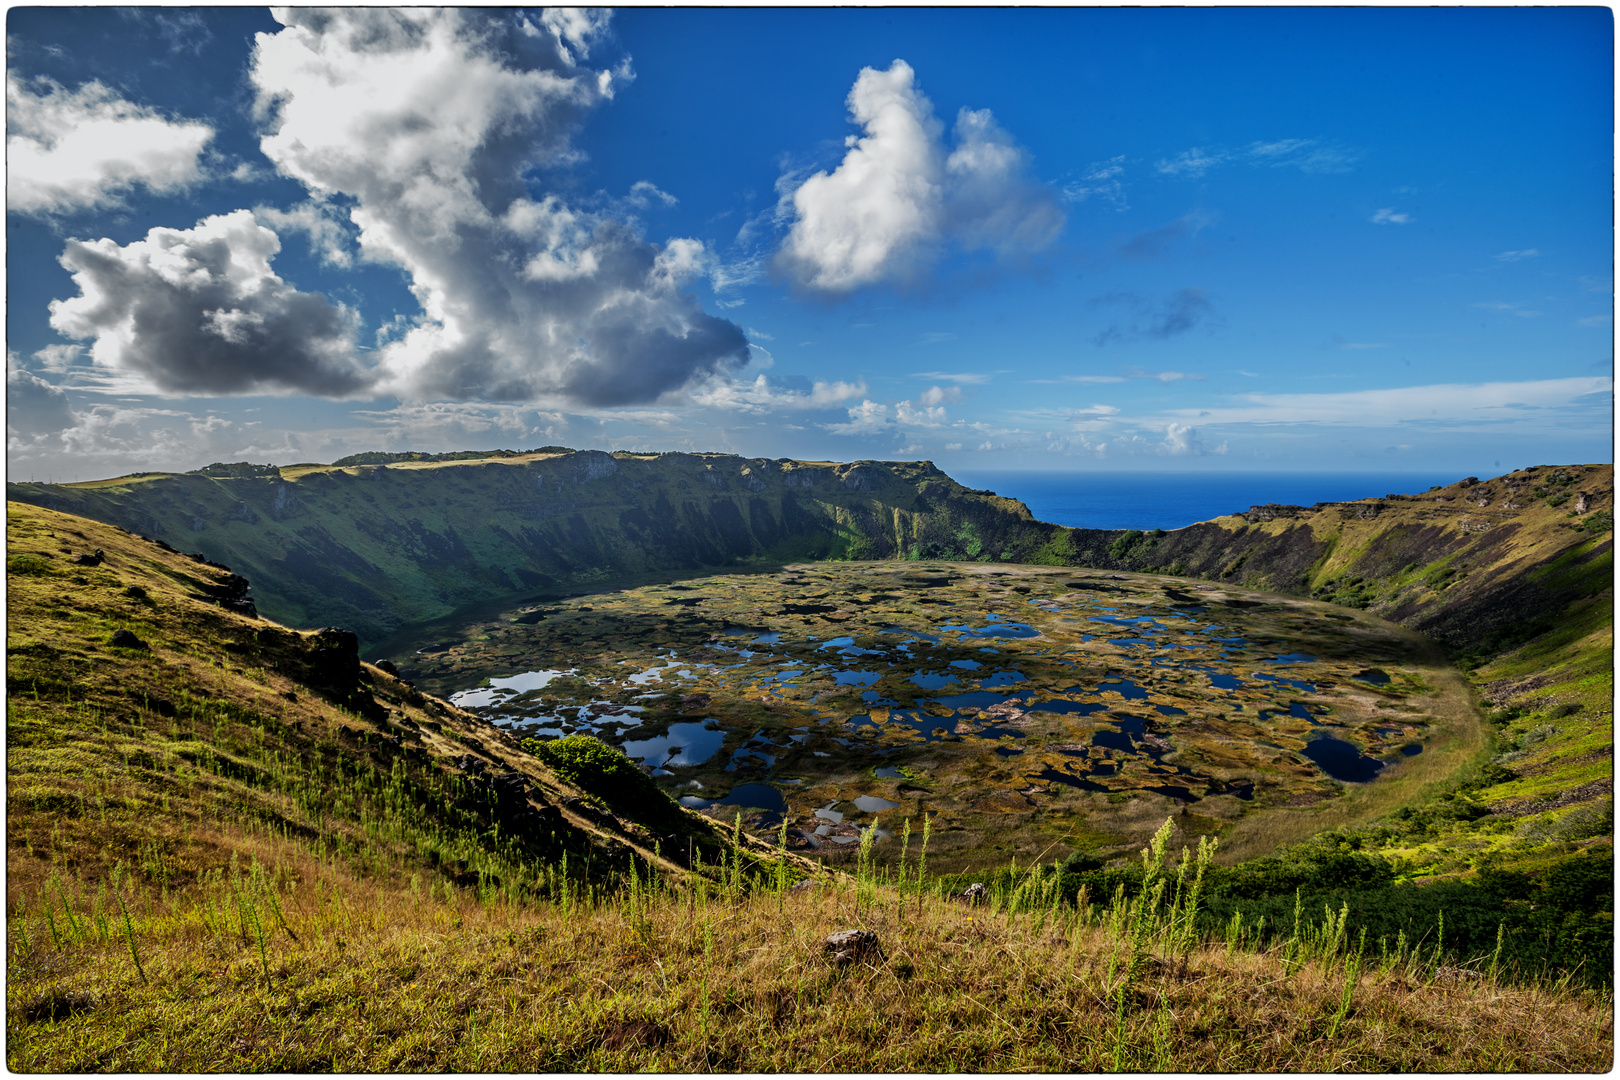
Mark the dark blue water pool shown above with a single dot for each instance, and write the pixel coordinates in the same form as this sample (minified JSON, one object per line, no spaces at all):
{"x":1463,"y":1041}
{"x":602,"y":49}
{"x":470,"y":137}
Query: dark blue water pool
{"x":1342,"y":760}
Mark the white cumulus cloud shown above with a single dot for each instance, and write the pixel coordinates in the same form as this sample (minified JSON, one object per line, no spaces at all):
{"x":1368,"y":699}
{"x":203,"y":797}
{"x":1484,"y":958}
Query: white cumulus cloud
{"x":920,"y":415}
{"x":899,"y":196}
{"x":866,"y":418}
{"x":86,"y":149}
{"x":764,"y":394}
{"x":431,"y":121}
{"x":201,"y":311}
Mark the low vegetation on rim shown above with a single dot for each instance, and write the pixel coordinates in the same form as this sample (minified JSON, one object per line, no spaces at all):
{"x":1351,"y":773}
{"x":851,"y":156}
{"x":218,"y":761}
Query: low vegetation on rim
{"x":232,"y":846}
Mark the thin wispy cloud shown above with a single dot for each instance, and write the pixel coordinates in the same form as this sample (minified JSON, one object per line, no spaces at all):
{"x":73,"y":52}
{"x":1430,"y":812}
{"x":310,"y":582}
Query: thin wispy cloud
{"x":1128,"y":374}
{"x":961,"y":378}
{"x":1101,"y":180}
{"x":1508,"y":307}
{"x":1491,"y":404}
{"x":1516,"y":256}
{"x":1390,"y":216}
{"x":1193,"y":163}
{"x":1164,"y":376}
{"x":1306,"y":155}
{"x":1152,"y":243}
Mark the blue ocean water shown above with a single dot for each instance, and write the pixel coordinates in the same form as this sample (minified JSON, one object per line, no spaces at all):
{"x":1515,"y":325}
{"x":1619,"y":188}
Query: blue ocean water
{"x":1154,"y":500}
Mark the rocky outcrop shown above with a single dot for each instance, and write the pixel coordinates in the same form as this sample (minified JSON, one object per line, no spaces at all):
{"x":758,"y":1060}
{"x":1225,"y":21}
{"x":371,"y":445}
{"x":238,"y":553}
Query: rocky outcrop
{"x":230,"y":593}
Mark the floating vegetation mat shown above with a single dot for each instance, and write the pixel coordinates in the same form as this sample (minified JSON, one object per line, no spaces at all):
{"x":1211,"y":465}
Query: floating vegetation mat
{"x":1017,"y":707}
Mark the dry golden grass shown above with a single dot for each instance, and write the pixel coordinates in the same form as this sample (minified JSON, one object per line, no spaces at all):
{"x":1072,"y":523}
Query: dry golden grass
{"x":382,"y":980}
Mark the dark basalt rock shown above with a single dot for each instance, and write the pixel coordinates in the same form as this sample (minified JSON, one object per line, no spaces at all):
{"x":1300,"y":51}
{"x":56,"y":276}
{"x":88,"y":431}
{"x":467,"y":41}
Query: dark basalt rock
{"x":89,"y":560}
{"x":230,"y":593}
{"x":123,"y":639}
{"x":335,"y":656}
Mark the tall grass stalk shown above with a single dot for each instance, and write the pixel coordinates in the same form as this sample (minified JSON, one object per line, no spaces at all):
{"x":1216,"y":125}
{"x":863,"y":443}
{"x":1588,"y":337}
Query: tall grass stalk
{"x":922,"y":860}
{"x":1352,"y":971}
{"x":781,"y":865}
{"x":129,"y":935}
{"x":865,"y":873}
{"x":1290,"y":957}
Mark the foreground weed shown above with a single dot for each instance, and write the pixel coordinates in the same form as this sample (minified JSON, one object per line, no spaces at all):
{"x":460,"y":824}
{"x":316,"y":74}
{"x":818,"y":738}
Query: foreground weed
{"x":645,"y":978}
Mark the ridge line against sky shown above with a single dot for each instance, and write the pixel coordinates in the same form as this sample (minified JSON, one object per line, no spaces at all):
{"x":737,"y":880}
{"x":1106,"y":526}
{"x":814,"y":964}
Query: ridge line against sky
{"x":1372,"y":239}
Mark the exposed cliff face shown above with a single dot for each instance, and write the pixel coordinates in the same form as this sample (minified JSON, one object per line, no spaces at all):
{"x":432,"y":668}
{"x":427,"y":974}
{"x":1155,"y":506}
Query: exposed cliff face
{"x":374,"y":547}
{"x":377,"y":546}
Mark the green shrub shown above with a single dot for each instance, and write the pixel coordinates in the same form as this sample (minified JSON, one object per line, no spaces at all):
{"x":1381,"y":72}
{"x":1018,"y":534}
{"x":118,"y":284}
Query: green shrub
{"x":605,"y":772}
{"x":1080,"y":863}
{"x":1123,"y":543}
{"x":1600,"y":522}
{"x":26,"y":564}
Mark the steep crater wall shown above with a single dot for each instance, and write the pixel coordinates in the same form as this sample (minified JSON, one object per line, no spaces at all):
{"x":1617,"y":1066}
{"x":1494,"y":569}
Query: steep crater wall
{"x":384,"y":541}
{"x":378,"y":545}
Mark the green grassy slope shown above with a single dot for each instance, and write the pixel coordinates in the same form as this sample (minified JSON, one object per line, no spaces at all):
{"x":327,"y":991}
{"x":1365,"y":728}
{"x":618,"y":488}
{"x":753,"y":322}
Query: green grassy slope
{"x":151,"y":729}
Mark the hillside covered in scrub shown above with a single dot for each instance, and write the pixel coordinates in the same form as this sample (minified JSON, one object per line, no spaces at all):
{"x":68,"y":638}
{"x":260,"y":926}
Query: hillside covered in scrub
{"x":152,"y":725}
{"x":231,"y":844}
{"x":1480,"y":566}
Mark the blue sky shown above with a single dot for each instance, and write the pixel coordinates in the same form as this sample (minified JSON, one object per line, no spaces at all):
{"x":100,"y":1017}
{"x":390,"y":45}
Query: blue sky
{"x":1370,"y":239}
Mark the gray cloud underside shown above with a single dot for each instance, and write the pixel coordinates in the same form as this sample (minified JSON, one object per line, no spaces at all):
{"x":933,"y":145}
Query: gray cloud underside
{"x":524,"y":296}
{"x":200,"y":311}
